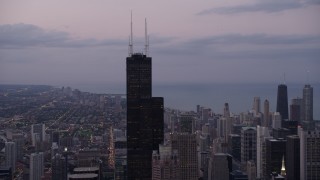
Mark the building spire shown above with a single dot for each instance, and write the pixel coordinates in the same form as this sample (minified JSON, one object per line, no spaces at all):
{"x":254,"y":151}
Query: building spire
{"x":283,"y":167}
{"x":131,"y":39}
{"x":146,"y":46}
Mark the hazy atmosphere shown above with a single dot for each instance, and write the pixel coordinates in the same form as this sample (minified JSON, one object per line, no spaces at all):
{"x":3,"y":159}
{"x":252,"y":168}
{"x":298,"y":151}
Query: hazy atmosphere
{"x":86,"y":42}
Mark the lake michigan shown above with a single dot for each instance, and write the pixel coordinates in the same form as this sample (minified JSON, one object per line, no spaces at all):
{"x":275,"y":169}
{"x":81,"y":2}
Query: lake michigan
{"x":239,"y":96}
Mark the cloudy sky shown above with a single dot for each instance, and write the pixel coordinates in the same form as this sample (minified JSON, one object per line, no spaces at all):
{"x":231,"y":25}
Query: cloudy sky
{"x":86,"y":42}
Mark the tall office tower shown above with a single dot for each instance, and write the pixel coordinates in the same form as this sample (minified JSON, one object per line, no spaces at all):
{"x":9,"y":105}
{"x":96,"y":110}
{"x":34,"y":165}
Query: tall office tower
{"x":221,"y":127}
{"x":186,"y":146}
{"x":144,"y":122}
{"x":248,"y":144}
{"x":226,"y":111}
{"x":37,"y":133}
{"x":293,"y":157}
{"x":36,"y":166}
{"x":308,"y":102}
{"x":266,"y":114}
{"x":198,"y":109}
{"x":203,"y":154}
{"x":282,"y":101}
{"x":157,"y":122}
{"x":221,"y":166}
{"x":234,"y":146}
{"x":205,"y":115}
{"x":275,"y":150}
{"x":20,"y":141}
{"x":296,"y":109}
{"x":165,"y":164}
{"x":251,"y":170}
{"x":11,"y":155}
{"x":186,"y":123}
{"x":276,"y":120}
{"x":262,"y":135}
{"x":309,"y":154}
{"x":256,"y":105}
{"x":59,"y":169}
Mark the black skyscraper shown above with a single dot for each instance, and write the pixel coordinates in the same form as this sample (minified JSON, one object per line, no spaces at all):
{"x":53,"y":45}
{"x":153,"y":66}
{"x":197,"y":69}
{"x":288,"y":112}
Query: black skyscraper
{"x":293,"y":157}
{"x":282,"y":101}
{"x":275,"y":151}
{"x":144,"y":117}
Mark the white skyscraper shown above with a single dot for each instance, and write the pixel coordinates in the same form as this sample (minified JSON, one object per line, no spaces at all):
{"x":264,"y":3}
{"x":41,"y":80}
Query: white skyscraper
{"x":276,"y":120}
{"x":11,"y":155}
{"x":262,"y":135}
{"x":36,"y":166}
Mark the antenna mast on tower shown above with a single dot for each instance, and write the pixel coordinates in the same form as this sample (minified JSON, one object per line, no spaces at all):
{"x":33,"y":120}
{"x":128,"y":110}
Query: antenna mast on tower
{"x":131,"y":39}
{"x":146,"y":46}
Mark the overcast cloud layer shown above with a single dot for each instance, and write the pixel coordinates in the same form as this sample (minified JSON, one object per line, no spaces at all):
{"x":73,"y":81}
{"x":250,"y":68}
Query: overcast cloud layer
{"x":46,"y":42}
{"x":270,"y":6}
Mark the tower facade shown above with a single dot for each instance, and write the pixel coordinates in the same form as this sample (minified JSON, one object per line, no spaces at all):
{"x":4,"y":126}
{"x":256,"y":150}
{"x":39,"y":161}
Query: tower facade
{"x":144,"y":115}
{"x":165,"y":164}
{"x":248,"y":144}
{"x":275,"y":151}
{"x":296,"y":110}
{"x":186,"y":146}
{"x":262,"y":135}
{"x":11,"y":155}
{"x":308,"y":102}
{"x":59,"y":169}
{"x":266,"y":116}
{"x":256,"y":105}
{"x":282,"y":101}
{"x":309,"y":154}
{"x":38,"y":133}
{"x":36,"y":165}
{"x":293,"y":157}
{"x":222,"y":166}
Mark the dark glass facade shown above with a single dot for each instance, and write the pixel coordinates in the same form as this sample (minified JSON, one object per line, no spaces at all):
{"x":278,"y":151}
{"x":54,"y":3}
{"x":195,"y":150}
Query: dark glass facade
{"x":275,"y":150}
{"x":144,"y":117}
{"x":282,"y":101}
{"x":293,"y":157}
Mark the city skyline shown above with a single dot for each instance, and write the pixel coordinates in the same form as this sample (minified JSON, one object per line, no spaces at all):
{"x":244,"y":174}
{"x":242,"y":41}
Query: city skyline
{"x":77,"y":42}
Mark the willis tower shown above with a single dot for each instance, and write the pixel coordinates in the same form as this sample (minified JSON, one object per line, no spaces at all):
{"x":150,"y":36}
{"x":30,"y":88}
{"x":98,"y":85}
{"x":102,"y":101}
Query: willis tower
{"x":144,"y":114}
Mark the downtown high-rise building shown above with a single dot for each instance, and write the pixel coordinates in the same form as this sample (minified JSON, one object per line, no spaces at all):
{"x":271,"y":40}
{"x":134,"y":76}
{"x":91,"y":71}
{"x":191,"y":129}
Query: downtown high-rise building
{"x":36,"y":166}
{"x":144,"y":115}
{"x":266,"y":114}
{"x":186,"y":146}
{"x":308,"y":103}
{"x":256,"y":105}
{"x":221,"y":166}
{"x":275,"y":151}
{"x":309,"y":153}
{"x":293,"y":157}
{"x":282,"y":101}
{"x":11,"y":155}
{"x":165,"y":164}
{"x":58,"y":167}
{"x":262,"y":135}
{"x":38,"y":133}
{"x":296,"y":110}
{"x":248,"y":144}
